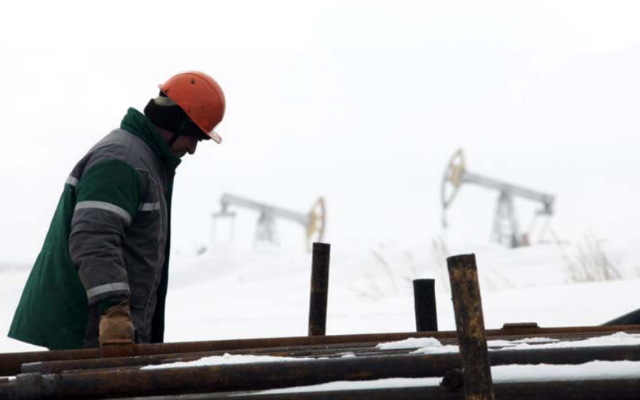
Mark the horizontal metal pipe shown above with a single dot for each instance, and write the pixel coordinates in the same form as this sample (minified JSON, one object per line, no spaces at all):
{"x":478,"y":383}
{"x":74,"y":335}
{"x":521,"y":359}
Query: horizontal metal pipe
{"x":259,"y":376}
{"x":10,"y":363}
{"x":618,"y":389}
{"x":632,"y":318}
{"x":335,"y":351}
{"x":317,"y":351}
{"x":8,"y":390}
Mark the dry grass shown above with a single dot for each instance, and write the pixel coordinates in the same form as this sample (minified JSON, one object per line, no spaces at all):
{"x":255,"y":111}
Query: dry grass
{"x":588,"y":262}
{"x":439,"y":254}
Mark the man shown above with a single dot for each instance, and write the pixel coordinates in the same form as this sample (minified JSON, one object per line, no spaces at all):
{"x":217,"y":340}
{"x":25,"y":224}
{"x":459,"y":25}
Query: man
{"x":102,"y":272}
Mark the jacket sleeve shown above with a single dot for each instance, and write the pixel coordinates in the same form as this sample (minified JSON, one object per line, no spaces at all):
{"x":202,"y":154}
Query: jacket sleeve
{"x":107,"y":199}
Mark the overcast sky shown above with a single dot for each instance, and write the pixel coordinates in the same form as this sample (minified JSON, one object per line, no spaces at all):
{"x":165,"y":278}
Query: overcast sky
{"x":358,"y":101}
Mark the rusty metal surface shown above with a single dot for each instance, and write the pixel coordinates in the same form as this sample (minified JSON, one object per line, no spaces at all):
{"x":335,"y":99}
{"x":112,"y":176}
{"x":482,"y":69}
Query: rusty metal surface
{"x":568,"y":355}
{"x":8,"y":390}
{"x":424,"y":297}
{"x":259,"y":376}
{"x":117,"y":383}
{"x":472,"y":342}
{"x":319,"y":289}
{"x":117,"y":348}
{"x":410,"y":393}
{"x":616,"y":389}
{"x":10,"y":363}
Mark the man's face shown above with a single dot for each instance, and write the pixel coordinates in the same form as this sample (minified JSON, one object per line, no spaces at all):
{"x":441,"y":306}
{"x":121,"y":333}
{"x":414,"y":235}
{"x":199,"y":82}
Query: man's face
{"x":184,"y":145}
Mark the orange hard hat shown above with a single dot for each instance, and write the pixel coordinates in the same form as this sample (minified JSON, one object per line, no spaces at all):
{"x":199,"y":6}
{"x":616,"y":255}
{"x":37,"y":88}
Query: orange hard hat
{"x":200,"y":97}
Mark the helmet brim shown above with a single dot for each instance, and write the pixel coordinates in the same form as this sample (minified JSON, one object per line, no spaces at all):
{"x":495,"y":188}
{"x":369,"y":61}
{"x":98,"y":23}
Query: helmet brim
{"x":214,"y":135}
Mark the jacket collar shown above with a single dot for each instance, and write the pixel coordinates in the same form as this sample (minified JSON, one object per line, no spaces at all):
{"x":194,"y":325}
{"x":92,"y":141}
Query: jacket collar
{"x":136,"y":123}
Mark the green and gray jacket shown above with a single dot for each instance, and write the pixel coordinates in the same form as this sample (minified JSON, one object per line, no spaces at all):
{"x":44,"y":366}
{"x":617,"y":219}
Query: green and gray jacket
{"x":109,"y":239}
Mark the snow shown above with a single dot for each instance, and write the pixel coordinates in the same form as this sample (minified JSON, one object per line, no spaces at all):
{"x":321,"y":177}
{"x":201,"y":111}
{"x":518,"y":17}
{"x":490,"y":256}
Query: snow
{"x":433,"y":346}
{"x":355,"y":385}
{"x":225,"y":359}
{"x":616,"y":339}
{"x":543,"y":372}
{"x":424,"y":346}
{"x":410,"y":343}
{"x":500,"y":374}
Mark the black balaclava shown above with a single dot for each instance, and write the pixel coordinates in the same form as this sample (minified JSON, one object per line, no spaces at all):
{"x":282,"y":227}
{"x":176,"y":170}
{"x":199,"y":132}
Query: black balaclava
{"x":172,"y":118}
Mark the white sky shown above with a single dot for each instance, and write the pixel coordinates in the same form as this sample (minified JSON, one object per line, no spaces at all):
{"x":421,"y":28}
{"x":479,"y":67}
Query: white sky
{"x":362,"y":102}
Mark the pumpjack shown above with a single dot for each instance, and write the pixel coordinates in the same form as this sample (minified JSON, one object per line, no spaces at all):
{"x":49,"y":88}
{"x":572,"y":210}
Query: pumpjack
{"x":314,"y":221}
{"x":506,"y":229}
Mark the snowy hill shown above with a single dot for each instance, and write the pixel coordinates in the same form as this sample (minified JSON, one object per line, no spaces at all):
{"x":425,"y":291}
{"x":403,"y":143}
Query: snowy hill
{"x":237,"y":293}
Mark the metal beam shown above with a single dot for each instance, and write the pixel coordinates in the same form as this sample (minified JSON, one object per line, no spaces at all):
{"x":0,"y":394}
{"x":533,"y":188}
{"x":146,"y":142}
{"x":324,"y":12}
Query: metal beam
{"x":10,"y":363}
{"x":261,"y":376}
{"x":437,"y":364}
{"x":546,"y":199}
{"x":614,"y":389}
{"x":230,"y":199}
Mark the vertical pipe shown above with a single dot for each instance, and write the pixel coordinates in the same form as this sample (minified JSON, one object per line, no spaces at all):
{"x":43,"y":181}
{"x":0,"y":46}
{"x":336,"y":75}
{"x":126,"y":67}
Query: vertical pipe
{"x":465,"y":290}
{"x":319,"y":289}
{"x":424,"y":296}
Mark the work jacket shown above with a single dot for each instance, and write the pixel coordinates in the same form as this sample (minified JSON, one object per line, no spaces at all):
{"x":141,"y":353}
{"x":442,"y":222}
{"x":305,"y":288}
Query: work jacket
{"x":108,"y":240}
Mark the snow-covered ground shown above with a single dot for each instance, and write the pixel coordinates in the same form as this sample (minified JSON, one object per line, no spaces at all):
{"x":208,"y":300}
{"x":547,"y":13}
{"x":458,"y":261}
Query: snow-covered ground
{"x":230,"y":292}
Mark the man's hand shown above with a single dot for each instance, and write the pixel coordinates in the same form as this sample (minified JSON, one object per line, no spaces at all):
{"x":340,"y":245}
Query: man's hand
{"x":116,"y":324}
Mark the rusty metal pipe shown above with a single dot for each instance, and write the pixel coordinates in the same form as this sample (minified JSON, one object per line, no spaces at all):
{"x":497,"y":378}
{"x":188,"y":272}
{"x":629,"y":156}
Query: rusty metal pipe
{"x":136,"y":382}
{"x":8,"y":390}
{"x":319,"y":289}
{"x":10,"y":363}
{"x":615,"y":389}
{"x":438,"y":363}
{"x":410,"y":393}
{"x":467,"y":304}
{"x":122,"y":362}
{"x":121,"y":383}
{"x":424,"y":296}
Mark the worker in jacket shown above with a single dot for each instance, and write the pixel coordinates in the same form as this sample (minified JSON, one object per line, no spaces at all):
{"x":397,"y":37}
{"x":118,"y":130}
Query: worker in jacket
{"x":102,"y":272}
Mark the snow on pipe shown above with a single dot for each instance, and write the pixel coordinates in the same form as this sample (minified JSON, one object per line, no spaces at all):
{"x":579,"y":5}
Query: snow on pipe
{"x":424,"y":296}
{"x":10,"y":363}
{"x":434,"y":364}
{"x":262,"y":376}
{"x":467,"y":304}
{"x":618,"y":389}
{"x":319,"y":289}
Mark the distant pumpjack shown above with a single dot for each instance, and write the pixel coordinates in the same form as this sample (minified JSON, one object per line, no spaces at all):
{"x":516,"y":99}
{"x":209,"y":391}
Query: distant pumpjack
{"x":506,"y":229}
{"x":314,"y":221}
